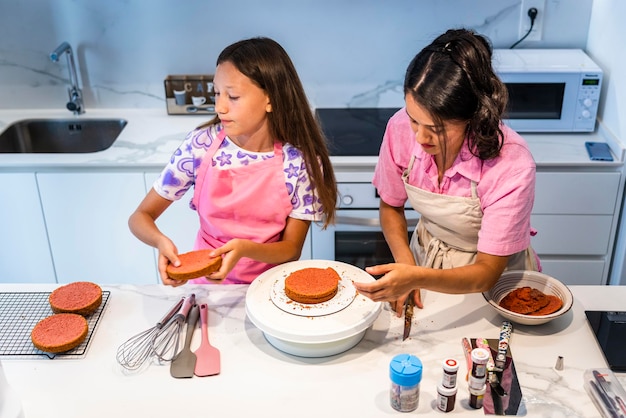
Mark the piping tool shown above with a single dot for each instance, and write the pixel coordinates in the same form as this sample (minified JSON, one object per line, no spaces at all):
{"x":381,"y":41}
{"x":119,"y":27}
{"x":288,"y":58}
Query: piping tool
{"x":559,"y":363}
{"x":408,"y":316}
{"x":503,"y":345}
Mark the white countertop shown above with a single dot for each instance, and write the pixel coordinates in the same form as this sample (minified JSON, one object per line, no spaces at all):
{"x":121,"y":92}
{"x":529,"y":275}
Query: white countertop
{"x":151,"y":136}
{"x":258,"y":380}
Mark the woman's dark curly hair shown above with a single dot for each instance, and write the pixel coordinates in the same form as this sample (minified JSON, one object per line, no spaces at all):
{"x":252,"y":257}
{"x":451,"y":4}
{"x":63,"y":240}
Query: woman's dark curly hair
{"x":452,"y":79}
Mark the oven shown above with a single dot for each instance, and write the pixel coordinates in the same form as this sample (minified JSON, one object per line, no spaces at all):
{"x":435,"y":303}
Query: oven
{"x":356,"y":237}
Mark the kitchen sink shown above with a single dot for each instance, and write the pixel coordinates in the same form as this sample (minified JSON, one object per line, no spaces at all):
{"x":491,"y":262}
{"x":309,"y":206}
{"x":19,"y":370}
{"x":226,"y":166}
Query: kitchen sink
{"x":60,"y":135}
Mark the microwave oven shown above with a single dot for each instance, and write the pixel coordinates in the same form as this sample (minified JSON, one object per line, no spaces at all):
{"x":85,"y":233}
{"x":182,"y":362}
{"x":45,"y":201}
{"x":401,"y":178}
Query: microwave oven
{"x":550,"y":90}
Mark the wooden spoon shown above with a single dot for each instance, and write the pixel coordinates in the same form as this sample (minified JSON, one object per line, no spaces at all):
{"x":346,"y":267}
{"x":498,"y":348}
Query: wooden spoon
{"x":208,"y":357}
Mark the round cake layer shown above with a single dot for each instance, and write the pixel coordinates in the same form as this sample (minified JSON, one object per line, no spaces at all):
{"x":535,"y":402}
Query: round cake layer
{"x":312,"y":285}
{"x":194,"y":264}
{"x":59,"y":332}
{"x":81,"y":298}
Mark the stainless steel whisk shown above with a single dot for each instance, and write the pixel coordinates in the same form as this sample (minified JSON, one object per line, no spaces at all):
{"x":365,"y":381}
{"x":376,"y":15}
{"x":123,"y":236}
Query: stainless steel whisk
{"x":167,"y":342}
{"x":134,"y":352}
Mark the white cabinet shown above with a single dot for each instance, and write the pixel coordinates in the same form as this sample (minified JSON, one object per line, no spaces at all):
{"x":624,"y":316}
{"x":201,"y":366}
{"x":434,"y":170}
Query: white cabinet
{"x":24,"y":251}
{"x":179,"y":222}
{"x":72,"y":225}
{"x":86,"y":215}
{"x":575,"y":216}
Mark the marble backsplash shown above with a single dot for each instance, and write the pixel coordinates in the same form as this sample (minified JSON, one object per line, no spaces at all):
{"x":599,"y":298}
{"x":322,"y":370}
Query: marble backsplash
{"x":348,"y":53}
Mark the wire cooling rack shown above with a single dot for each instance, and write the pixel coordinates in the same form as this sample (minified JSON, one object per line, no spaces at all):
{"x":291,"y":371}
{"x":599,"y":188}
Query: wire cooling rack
{"x":21,"y":311}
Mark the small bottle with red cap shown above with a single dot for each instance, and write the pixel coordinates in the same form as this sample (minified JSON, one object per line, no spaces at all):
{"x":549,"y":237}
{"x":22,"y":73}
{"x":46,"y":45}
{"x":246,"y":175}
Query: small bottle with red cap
{"x":450,"y":369}
{"x":446,"y":390}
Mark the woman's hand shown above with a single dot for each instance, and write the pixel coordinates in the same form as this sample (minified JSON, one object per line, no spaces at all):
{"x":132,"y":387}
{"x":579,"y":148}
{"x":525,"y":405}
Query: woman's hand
{"x":394,"y":286}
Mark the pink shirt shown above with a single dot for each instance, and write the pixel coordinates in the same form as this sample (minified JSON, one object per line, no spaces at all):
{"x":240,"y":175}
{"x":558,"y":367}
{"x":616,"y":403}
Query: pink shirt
{"x":505,"y":185}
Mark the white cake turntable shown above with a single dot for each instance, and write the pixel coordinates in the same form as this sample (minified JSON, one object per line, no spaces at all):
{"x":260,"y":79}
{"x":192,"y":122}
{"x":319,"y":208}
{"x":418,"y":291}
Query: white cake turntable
{"x":311,"y":330}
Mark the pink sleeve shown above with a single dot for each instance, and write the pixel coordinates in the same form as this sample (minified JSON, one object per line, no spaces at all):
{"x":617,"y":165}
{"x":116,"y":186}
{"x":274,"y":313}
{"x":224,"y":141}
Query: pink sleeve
{"x":393,"y":159}
{"x":507,"y":192}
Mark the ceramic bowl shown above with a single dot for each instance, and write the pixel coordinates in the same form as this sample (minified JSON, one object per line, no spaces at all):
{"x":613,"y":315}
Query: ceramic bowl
{"x":511,"y":280}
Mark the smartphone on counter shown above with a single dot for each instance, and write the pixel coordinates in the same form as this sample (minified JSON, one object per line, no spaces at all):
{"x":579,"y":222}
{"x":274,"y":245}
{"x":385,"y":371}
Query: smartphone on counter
{"x":599,"y":151}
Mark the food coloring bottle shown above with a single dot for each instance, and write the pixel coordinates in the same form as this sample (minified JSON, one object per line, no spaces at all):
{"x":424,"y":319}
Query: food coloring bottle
{"x":477,"y":396}
{"x":405,"y":371}
{"x":450,"y":369}
{"x":478,"y":377}
{"x":446,"y":397}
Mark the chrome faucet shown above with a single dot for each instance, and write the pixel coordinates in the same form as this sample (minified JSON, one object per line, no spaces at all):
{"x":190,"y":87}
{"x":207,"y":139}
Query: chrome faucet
{"x":75,"y":93}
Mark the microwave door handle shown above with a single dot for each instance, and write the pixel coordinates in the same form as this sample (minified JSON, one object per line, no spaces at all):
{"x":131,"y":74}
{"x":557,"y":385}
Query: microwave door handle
{"x":372,"y":222}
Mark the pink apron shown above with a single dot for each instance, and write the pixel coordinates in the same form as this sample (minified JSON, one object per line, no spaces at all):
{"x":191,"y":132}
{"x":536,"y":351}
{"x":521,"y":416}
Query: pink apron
{"x":248,"y":202}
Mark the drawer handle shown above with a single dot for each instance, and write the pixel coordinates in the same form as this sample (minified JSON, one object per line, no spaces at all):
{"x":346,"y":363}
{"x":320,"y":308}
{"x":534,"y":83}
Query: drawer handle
{"x":373,"y":222}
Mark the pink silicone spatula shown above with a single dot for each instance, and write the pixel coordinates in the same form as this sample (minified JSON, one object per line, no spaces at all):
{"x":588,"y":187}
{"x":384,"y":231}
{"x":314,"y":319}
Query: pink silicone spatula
{"x":207,"y":356}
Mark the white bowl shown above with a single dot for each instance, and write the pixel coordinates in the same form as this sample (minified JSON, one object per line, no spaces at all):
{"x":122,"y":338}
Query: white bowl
{"x":513,"y":279}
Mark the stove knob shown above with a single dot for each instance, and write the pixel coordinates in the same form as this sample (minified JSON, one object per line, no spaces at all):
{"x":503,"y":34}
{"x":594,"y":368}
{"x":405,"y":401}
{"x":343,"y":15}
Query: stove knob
{"x":347,"y":200}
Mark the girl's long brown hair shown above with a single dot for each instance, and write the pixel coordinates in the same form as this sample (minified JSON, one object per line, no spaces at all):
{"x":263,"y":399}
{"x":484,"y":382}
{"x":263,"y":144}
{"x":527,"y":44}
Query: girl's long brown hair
{"x":291,"y":120}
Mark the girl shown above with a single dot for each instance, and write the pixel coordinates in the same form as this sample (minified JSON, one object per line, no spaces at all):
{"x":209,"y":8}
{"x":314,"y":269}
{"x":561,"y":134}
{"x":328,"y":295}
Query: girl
{"x":471,"y":178}
{"x":260,"y":169}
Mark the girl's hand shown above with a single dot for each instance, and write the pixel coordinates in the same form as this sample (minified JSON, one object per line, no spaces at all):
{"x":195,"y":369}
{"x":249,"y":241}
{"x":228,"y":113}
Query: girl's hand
{"x":231,"y":253}
{"x":168,"y":253}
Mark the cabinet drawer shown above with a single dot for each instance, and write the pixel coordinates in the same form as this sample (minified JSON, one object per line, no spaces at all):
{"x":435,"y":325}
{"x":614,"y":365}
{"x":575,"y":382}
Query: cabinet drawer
{"x":24,"y":250}
{"x":576,"y":193}
{"x":571,"y":234}
{"x":575,"y":272}
{"x":86,"y":215}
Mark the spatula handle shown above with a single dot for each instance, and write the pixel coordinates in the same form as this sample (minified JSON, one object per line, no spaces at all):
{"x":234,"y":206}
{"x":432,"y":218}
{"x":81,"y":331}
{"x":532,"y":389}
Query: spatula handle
{"x":189,"y":302}
{"x":204,"y":321}
{"x":192,"y":320}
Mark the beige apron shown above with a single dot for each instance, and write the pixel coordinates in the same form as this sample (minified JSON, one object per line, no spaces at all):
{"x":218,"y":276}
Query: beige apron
{"x":447,"y":233}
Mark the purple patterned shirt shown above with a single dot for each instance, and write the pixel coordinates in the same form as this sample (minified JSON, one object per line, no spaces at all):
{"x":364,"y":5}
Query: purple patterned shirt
{"x":180,"y":173}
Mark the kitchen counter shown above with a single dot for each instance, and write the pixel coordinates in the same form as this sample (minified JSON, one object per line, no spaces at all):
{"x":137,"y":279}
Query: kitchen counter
{"x":258,"y":380}
{"x":151,"y":136}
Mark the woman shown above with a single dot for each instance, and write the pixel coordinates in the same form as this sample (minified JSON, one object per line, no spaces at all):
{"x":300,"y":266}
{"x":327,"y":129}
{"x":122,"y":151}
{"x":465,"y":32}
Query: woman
{"x":260,"y":170}
{"x":471,"y":178}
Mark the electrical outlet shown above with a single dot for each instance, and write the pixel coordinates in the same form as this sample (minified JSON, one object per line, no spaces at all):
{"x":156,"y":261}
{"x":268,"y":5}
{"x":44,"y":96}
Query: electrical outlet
{"x":524,"y":23}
